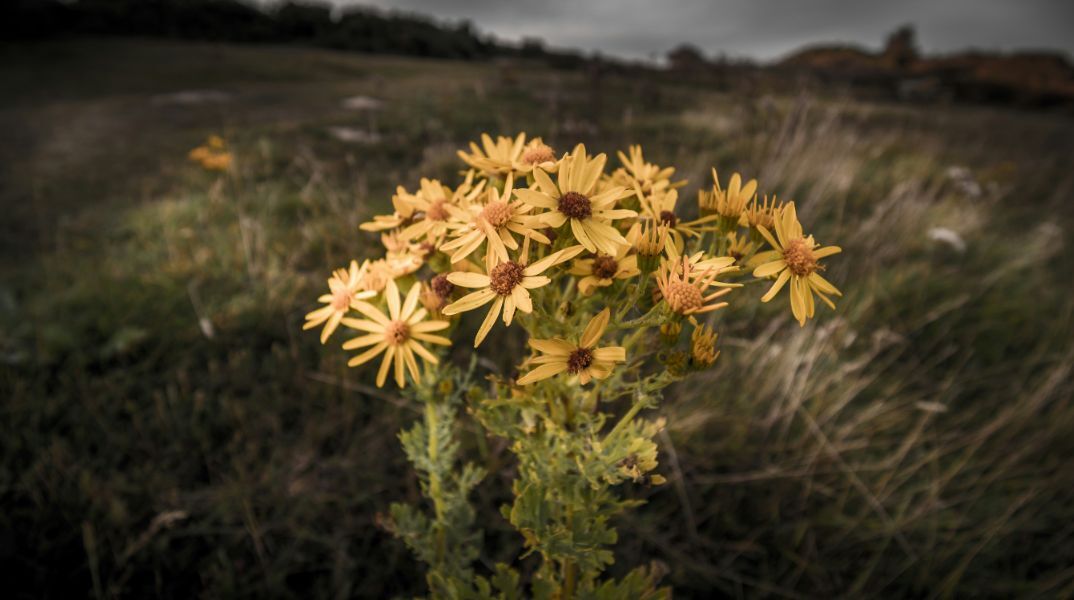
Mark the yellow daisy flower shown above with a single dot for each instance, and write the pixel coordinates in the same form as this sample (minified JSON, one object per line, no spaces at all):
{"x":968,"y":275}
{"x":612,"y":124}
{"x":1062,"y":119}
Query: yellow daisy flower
{"x":740,"y":247}
{"x":397,"y":334}
{"x":646,"y":176}
{"x":583,"y":359}
{"x":729,"y":203}
{"x":438,"y":207}
{"x":571,"y":198}
{"x":509,"y":156}
{"x":405,"y":206}
{"x":683,"y":286}
{"x":795,"y":259}
{"x":494,"y":221}
{"x":762,"y":214}
{"x":506,"y":285}
{"x":345,"y":286}
{"x":602,"y":270}
{"x":659,"y":206}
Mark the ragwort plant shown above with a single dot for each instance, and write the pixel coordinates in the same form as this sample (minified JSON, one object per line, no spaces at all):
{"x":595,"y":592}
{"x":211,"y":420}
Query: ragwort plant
{"x":617,"y":295}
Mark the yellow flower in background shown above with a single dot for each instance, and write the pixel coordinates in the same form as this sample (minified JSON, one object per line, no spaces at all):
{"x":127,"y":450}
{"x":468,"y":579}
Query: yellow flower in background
{"x":583,"y":359}
{"x":729,"y":203}
{"x":398,"y":335}
{"x":506,"y":285}
{"x":602,"y":270}
{"x":740,"y":247}
{"x":494,"y":222}
{"x":648,"y":238}
{"x":509,"y":155}
{"x":645,"y":176}
{"x":703,"y":350}
{"x":345,"y":286}
{"x":571,"y":198}
{"x":795,"y":260}
{"x":659,"y":206}
{"x":437,"y":207}
{"x":405,"y":206}
{"x":683,"y":286}
{"x":212,"y":155}
{"x":762,"y":214}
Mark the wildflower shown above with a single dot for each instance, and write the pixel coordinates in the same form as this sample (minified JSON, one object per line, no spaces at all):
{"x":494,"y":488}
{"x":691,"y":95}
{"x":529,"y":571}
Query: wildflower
{"x":739,"y":247}
{"x":683,"y":287}
{"x":795,"y":259}
{"x":729,"y":203}
{"x":649,"y":239}
{"x":436,"y":293}
{"x":437,"y":207}
{"x":703,"y":346}
{"x":212,"y":155}
{"x":571,"y":198}
{"x":506,"y":285}
{"x":645,"y":176}
{"x":405,"y":206}
{"x":345,"y":286}
{"x":602,"y":270}
{"x":659,"y":206}
{"x":583,"y":359}
{"x":537,"y":154}
{"x":495,"y":221}
{"x":398,"y":335}
{"x":762,"y":214}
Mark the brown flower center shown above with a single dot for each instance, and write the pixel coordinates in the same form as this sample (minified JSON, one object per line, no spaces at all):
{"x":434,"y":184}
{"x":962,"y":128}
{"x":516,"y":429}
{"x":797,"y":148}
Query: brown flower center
{"x":578,"y":360}
{"x":397,"y":332}
{"x":496,"y":213}
{"x":505,"y":276}
{"x":605,"y":267}
{"x":799,"y":258}
{"x":441,"y":286}
{"x":437,"y":211}
{"x":682,"y":297}
{"x":341,"y":299}
{"x":538,"y":154}
{"x":668,"y":218}
{"x":575,"y":206}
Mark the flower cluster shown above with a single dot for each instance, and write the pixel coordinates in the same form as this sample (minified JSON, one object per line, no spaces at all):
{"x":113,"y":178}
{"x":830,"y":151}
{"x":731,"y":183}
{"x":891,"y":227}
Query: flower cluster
{"x":524,"y":219}
{"x":213,"y":155}
{"x":617,"y":287}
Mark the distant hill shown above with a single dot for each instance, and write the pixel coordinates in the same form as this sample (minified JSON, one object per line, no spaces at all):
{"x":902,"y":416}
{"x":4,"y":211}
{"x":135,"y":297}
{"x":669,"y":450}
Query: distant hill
{"x":1024,"y":78}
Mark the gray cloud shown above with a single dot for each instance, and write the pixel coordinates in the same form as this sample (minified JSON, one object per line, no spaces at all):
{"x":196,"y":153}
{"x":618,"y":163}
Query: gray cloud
{"x":762,"y":29}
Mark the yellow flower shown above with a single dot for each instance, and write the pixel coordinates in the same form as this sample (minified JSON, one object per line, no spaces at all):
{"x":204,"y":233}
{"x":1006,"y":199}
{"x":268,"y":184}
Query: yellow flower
{"x":659,"y":206}
{"x":571,"y":199}
{"x":397,"y":334}
{"x":583,"y":359}
{"x":506,"y":285}
{"x":648,"y":238}
{"x":683,"y":286}
{"x":645,"y":176}
{"x":602,"y":270}
{"x":345,"y":286}
{"x":729,"y":203}
{"x":438,"y":207}
{"x":509,"y":156}
{"x":795,"y":259}
{"x":762,"y":214}
{"x":494,"y":221}
{"x":212,"y":155}
{"x":739,"y":247}
{"x":703,"y":350}
{"x":405,"y":207}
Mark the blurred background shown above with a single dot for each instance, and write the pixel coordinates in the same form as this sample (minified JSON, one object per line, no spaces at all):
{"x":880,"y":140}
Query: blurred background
{"x":169,"y":431}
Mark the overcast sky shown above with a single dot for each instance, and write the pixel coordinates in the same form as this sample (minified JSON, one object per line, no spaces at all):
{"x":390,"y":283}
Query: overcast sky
{"x":762,"y":29}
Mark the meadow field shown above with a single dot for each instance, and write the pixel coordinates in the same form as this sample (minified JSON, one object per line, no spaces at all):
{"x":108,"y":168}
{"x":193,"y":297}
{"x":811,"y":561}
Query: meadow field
{"x":169,"y":430}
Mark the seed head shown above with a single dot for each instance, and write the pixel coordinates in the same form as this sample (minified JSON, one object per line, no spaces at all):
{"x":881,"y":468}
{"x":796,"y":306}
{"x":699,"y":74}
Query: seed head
{"x":537,"y":154}
{"x":683,"y":297}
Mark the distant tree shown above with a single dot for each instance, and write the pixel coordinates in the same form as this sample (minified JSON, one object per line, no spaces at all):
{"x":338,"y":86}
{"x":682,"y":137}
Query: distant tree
{"x":900,"y":50}
{"x":686,"y":57}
